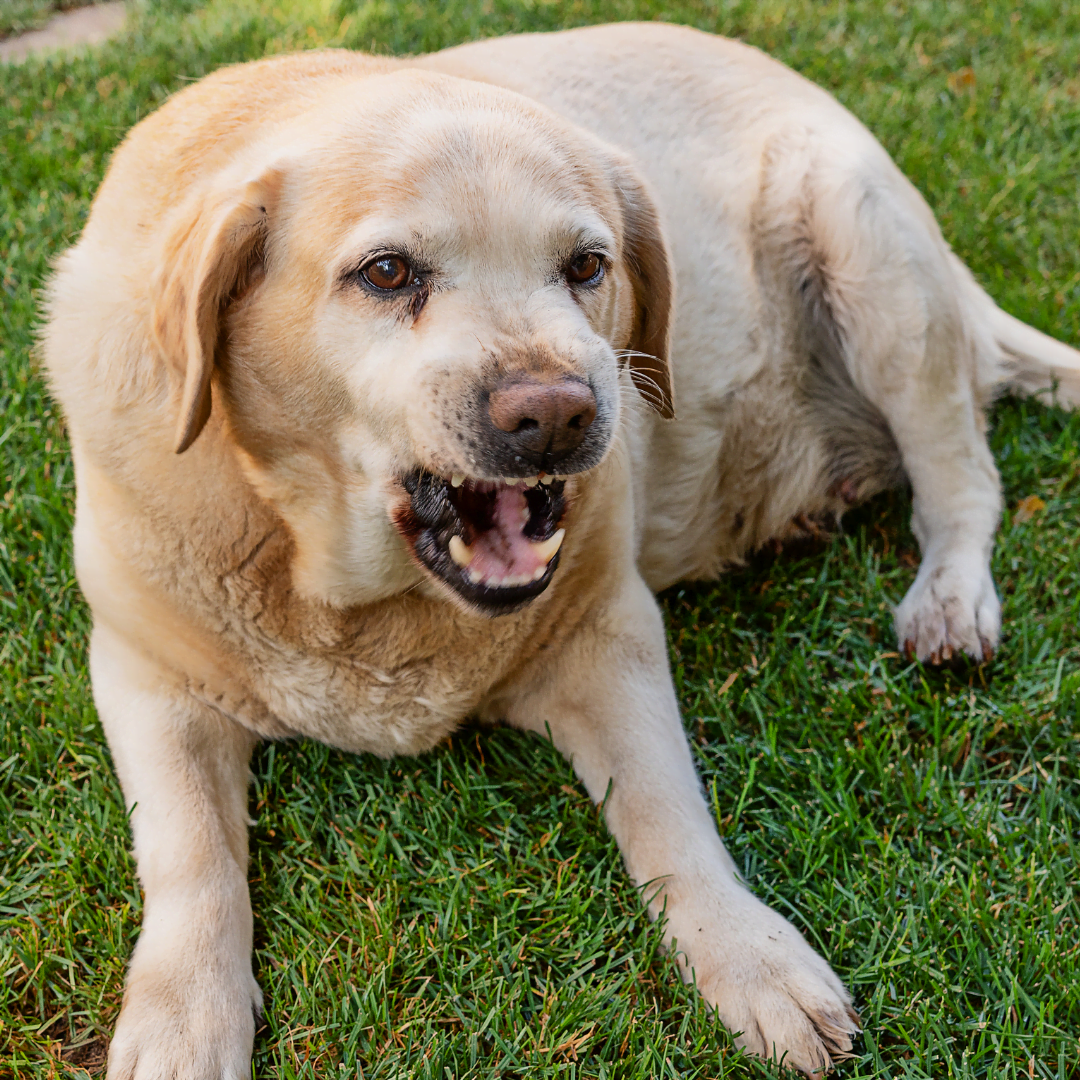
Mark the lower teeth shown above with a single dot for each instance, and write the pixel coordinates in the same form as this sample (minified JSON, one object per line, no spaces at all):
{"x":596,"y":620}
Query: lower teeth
{"x":460,"y":552}
{"x":546,"y":549}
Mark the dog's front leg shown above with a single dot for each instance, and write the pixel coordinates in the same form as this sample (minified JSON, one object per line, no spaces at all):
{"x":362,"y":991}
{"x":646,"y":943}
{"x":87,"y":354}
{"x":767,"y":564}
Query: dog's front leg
{"x":190,"y":995}
{"x":609,"y":703}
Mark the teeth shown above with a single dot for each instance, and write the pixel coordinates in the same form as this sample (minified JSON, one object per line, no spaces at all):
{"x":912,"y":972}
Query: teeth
{"x":546,"y":549}
{"x":531,"y":481}
{"x":547,"y":479}
{"x":457,"y":480}
{"x":563,"y":479}
{"x":511,"y":581}
{"x":510,"y":481}
{"x":460,"y":552}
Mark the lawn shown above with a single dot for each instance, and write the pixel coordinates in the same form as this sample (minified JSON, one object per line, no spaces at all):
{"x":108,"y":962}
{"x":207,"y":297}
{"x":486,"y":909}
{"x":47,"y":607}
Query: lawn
{"x":465,"y":914}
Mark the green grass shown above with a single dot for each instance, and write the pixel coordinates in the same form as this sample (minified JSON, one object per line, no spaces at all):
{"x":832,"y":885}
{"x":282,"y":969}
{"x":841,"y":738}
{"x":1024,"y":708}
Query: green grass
{"x":465,"y":914}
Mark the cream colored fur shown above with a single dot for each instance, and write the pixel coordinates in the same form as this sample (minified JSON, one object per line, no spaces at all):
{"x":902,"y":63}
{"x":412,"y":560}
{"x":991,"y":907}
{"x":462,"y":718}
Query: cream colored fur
{"x":769,"y":260}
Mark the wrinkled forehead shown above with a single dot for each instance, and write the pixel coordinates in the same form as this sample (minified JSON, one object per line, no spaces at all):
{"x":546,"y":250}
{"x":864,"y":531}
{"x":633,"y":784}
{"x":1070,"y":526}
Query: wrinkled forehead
{"x":467,"y":167}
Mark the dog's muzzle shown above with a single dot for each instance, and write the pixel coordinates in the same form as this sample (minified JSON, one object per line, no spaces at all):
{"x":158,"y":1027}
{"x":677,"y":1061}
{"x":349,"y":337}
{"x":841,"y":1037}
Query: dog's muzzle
{"x":494,"y":542}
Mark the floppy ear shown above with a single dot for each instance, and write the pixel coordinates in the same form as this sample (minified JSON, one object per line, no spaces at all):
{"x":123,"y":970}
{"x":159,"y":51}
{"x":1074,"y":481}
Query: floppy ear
{"x":647,"y":258}
{"x":214,"y":254}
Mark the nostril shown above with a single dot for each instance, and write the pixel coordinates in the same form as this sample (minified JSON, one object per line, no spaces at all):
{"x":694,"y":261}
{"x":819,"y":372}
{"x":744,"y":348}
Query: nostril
{"x":549,"y":418}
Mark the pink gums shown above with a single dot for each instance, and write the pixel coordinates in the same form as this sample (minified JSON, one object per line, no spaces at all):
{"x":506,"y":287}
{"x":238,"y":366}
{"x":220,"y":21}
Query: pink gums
{"x":502,"y":551}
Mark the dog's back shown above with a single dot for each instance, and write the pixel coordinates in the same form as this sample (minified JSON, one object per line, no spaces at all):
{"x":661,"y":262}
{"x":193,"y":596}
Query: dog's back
{"x":813,"y":282}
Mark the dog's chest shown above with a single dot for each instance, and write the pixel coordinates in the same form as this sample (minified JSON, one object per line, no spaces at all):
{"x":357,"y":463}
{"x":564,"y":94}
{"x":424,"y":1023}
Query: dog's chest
{"x":393,"y":678}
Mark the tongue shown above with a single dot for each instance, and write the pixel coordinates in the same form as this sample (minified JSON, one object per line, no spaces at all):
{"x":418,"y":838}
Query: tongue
{"x":501,"y":554}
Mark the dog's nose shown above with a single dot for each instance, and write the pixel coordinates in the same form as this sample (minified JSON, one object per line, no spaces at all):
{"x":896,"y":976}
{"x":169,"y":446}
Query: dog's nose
{"x":548,"y":419}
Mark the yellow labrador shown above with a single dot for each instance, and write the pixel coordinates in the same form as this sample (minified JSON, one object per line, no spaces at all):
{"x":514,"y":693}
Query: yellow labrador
{"x":355,"y":355}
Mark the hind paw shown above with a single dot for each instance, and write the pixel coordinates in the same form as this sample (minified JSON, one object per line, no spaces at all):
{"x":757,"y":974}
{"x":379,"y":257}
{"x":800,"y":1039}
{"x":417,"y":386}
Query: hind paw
{"x":951,"y":609}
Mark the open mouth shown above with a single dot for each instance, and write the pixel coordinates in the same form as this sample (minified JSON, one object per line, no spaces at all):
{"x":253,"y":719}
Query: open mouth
{"x":494,"y":542}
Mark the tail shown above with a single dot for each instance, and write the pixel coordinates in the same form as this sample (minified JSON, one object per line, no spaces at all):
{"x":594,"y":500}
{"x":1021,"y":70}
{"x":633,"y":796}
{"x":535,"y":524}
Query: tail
{"x":1035,"y":363}
{"x":1018,"y":359}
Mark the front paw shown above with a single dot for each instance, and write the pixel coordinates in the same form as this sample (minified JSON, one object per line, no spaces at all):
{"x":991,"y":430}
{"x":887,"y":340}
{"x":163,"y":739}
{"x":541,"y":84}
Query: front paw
{"x":951,"y":608}
{"x":185,"y":1017}
{"x":766,"y":984}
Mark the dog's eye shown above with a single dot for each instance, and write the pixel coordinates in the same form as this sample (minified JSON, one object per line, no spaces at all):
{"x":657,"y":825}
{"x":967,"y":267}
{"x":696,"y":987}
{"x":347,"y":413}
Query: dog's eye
{"x":388,"y":272}
{"x":585,"y":268}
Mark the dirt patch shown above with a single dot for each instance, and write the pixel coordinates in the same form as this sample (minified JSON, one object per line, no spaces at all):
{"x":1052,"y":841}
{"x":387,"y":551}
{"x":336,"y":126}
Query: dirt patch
{"x":91,"y":1055}
{"x":83,"y":26}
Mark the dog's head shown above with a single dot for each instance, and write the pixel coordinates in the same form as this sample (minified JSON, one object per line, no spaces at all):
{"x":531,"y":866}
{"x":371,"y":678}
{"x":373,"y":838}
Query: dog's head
{"x":411,"y":308}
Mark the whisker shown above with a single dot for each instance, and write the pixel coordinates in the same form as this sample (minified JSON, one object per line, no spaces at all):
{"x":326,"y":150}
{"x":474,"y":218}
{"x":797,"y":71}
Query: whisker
{"x":622,"y":353}
{"x":649,"y":388}
{"x":634,"y":401}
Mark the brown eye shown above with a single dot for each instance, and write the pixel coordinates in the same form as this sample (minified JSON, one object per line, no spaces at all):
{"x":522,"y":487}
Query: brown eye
{"x":388,"y":272}
{"x":583,"y":268}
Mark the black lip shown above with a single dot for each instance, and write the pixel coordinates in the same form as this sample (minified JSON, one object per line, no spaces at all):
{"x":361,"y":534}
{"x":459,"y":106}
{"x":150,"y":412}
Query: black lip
{"x":435,"y":514}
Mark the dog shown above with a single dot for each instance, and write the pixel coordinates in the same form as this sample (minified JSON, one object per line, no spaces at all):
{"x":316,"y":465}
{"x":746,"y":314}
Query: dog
{"x":396,"y":387}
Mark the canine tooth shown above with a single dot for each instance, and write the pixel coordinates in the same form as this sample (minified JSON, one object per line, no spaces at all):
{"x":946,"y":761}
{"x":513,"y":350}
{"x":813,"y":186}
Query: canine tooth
{"x":546,"y":549}
{"x":457,"y":480}
{"x":547,"y":479}
{"x":563,"y":479}
{"x":532,"y":481}
{"x":460,"y":552}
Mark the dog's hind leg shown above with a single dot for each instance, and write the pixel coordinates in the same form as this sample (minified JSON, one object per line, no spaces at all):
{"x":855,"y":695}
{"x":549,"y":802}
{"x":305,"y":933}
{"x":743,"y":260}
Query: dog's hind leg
{"x":189,"y":1003}
{"x":897,"y":361}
